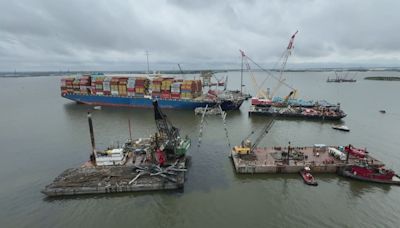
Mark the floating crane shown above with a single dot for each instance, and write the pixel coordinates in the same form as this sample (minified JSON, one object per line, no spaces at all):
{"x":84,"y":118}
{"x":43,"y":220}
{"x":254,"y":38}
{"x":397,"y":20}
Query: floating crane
{"x":264,"y":97}
{"x":172,"y":144}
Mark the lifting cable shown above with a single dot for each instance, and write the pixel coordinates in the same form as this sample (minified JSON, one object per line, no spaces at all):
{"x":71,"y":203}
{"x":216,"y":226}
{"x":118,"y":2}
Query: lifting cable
{"x":223,"y":116}
{"x":201,"y":127}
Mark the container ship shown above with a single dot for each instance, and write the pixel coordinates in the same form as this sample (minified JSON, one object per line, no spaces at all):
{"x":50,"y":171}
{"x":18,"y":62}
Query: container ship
{"x":172,"y":93}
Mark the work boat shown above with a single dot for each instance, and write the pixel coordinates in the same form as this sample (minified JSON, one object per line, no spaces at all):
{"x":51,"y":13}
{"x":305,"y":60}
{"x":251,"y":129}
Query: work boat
{"x":365,"y":172}
{"x":341,"y":127}
{"x":307,"y":177}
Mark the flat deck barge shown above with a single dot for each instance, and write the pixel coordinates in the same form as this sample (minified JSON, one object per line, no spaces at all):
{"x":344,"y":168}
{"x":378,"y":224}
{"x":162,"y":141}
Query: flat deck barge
{"x":144,"y":164}
{"x":274,"y":160}
{"x":91,"y":179}
{"x":298,"y":112}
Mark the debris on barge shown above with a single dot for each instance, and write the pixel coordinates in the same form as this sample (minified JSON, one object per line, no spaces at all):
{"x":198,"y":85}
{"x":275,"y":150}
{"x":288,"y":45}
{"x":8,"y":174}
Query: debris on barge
{"x":155,"y":163}
{"x":316,"y":113}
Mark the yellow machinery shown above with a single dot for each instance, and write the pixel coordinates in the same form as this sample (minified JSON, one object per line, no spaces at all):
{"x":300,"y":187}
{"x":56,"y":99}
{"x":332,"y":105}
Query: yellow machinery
{"x":246,"y":146}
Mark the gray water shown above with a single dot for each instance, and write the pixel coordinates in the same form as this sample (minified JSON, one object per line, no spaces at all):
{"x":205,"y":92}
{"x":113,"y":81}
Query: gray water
{"x":42,"y":134}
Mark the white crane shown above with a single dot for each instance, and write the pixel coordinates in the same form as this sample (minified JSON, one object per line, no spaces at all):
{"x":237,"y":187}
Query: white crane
{"x":263,"y":97}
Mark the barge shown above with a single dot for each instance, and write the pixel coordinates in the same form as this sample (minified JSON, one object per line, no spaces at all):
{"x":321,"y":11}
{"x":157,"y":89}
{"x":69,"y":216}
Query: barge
{"x":316,"y":113}
{"x":319,"y":158}
{"x":155,"y":163}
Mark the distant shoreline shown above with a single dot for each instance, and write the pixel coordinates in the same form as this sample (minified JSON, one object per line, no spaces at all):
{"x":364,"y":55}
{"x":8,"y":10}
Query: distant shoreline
{"x":70,"y":73}
{"x":381,"y":78}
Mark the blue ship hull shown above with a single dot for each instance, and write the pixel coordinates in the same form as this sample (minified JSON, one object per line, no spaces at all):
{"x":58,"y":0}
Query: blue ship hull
{"x":146,"y":102}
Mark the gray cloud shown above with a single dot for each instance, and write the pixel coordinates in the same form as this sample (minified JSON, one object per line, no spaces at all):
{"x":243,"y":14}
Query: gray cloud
{"x":100,"y":34}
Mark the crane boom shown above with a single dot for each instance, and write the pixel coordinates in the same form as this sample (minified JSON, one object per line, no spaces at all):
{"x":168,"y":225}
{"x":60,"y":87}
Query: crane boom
{"x":165,"y":128}
{"x":260,"y":92}
{"x":285,"y":57}
{"x":264,"y":131}
{"x":180,"y":69}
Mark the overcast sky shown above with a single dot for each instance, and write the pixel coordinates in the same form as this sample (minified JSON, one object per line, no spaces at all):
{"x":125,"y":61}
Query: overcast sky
{"x":111,"y":35}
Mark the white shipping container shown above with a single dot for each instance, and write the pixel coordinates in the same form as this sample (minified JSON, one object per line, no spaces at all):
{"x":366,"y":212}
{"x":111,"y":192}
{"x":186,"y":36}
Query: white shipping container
{"x":131,"y":83}
{"x":116,"y":157}
{"x":106,"y":84}
{"x":337,"y":153}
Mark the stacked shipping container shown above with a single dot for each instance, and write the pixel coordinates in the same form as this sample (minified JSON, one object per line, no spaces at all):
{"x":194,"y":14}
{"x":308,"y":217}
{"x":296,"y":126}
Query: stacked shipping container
{"x":156,"y":87}
{"x":114,"y":86}
{"x":122,"y":83}
{"x":190,"y":89}
{"x":99,"y":85}
{"x":141,"y":86}
{"x":176,"y":90}
{"x":107,"y":86}
{"x":67,"y":85}
{"x":85,"y":84}
{"x":166,"y":88}
{"x":131,"y":87}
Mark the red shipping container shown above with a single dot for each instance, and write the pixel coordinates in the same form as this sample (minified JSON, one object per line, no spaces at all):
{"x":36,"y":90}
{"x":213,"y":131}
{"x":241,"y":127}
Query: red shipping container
{"x":175,"y":96}
{"x":166,"y":95}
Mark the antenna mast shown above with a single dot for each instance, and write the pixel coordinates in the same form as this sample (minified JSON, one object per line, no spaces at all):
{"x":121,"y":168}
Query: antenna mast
{"x":148,"y":66}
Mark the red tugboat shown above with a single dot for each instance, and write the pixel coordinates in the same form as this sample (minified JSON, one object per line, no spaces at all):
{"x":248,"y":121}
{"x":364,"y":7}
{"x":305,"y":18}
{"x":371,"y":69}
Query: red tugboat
{"x":307,"y":177}
{"x":365,"y":172}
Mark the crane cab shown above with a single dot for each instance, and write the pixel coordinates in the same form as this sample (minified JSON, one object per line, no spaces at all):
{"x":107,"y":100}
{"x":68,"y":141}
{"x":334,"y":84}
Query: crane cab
{"x":245,"y":148}
{"x":241,"y":150}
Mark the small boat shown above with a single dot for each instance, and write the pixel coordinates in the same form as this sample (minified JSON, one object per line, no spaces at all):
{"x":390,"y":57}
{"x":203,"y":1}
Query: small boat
{"x":382,"y":111}
{"x":307,"y":177}
{"x":97,"y":107}
{"x":341,"y":127}
{"x":365,"y":172}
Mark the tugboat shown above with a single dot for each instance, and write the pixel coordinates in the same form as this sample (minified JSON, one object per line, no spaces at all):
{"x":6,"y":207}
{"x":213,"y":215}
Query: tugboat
{"x":365,"y":172}
{"x":307,"y":177}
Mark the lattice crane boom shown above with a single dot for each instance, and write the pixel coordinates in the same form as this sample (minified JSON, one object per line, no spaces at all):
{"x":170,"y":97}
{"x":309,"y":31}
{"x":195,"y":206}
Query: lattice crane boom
{"x":285,"y":57}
